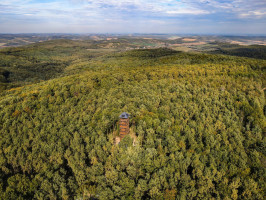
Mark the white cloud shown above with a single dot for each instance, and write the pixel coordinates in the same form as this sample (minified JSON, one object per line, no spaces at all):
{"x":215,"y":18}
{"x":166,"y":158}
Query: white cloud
{"x":151,"y":6}
{"x":187,"y":11}
{"x":253,"y":14}
{"x":239,"y":8}
{"x":101,"y":14}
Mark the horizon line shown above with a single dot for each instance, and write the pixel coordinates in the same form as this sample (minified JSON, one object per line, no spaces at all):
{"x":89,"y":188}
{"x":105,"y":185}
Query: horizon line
{"x":106,"y":33}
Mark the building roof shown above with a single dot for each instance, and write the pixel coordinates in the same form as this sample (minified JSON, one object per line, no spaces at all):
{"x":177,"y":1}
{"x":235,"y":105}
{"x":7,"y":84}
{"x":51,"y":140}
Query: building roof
{"x":124,"y":115}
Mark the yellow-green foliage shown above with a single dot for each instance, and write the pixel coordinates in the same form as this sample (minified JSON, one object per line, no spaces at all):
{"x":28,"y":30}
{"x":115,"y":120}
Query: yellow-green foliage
{"x":199,"y":124}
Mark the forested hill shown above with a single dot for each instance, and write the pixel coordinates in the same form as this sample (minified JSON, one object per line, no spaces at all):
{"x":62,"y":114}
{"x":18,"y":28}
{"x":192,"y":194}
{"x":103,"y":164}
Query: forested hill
{"x":198,"y":120}
{"x":251,"y":51}
{"x":43,"y":61}
{"x":50,"y":59}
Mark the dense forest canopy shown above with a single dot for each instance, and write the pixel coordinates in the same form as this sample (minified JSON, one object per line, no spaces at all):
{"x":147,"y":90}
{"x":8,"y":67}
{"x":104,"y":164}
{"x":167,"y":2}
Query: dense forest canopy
{"x":199,"y":122}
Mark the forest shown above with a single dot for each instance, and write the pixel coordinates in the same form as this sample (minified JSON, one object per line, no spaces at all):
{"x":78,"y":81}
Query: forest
{"x":198,"y":120}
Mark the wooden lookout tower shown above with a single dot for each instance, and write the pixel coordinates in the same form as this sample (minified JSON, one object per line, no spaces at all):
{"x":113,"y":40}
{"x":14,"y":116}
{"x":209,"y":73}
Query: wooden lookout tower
{"x":123,"y":125}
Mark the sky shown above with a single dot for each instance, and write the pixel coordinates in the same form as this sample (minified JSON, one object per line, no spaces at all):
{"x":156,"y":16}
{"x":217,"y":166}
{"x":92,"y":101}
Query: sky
{"x":236,"y":17}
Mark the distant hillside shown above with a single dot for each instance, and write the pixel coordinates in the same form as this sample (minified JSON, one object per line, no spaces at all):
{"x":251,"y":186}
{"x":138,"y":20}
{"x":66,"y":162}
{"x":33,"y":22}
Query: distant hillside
{"x":43,"y":61}
{"x":252,"y":51}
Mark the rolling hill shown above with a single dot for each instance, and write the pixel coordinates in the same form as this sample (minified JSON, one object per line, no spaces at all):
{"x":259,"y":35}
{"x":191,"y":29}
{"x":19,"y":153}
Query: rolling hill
{"x":199,"y":122}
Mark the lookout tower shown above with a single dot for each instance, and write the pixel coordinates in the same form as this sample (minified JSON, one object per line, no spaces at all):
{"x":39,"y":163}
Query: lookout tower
{"x":123,"y":125}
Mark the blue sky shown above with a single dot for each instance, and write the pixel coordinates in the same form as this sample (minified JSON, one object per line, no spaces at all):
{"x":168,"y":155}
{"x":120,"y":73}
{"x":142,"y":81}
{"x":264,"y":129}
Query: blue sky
{"x":133,"y":16}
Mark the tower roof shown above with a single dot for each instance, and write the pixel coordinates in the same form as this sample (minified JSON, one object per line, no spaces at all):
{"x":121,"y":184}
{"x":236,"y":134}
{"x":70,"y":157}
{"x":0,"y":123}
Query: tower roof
{"x":124,"y":115}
